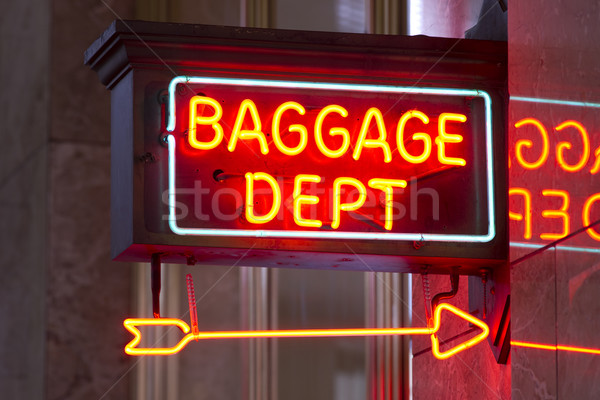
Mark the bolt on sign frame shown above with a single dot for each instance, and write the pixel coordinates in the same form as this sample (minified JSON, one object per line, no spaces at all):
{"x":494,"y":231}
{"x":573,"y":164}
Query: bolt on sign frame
{"x":305,"y":149}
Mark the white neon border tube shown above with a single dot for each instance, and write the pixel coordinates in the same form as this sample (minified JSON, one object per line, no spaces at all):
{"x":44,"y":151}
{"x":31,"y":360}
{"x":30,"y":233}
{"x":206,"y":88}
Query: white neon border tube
{"x":265,"y":233}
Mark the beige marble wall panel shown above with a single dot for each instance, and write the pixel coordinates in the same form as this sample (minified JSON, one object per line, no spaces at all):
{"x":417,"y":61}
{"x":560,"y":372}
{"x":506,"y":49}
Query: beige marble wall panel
{"x":80,"y":106}
{"x":22,"y":263}
{"x":87,"y":294}
{"x":24,"y":61}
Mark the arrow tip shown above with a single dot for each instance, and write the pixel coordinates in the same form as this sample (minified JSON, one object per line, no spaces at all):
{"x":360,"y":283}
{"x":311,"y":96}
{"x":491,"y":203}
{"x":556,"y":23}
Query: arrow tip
{"x":435,"y":344}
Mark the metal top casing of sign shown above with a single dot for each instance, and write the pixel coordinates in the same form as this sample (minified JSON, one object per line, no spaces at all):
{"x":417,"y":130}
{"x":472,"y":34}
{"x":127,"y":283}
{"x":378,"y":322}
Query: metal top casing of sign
{"x":247,"y":157}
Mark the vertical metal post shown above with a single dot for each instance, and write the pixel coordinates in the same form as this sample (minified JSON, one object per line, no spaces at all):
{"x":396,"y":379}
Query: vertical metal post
{"x":155,"y":281}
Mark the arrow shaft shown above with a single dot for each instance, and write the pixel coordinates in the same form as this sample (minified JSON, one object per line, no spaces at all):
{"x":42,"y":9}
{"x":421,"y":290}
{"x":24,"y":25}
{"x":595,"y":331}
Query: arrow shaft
{"x":132,"y":348}
{"x":313,"y":333}
{"x":131,"y":325}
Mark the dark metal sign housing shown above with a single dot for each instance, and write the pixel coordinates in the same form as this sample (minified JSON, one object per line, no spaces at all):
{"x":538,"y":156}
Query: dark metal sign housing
{"x":305,"y":149}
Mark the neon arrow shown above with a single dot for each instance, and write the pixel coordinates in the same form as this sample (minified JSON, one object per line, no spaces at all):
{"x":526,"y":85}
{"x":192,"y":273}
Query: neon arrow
{"x":131,"y":325}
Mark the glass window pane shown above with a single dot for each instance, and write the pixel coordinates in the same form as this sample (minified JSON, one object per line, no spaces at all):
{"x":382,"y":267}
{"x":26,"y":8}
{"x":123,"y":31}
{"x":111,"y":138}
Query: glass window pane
{"x":319,"y":15}
{"x":321,"y":368}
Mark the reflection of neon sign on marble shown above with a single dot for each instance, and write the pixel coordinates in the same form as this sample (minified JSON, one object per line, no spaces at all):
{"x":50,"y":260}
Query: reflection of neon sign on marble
{"x":554,"y":206}
{"x":552,"y":347}
{"x":560,"y":149}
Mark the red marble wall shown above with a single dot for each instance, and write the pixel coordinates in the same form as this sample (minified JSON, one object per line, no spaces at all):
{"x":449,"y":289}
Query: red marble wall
{"x":471,"y":374}
{"x":553,"y":54}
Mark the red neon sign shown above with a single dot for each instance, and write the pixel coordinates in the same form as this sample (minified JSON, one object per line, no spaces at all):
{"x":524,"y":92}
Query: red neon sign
{"x":341,"y":145}
{"x":132,"y":324}
{"x":321,"y":160}
{"x":248,"y":113}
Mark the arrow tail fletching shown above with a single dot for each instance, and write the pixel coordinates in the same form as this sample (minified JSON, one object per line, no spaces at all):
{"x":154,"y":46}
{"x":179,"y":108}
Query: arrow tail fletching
{"x":131,"y":325}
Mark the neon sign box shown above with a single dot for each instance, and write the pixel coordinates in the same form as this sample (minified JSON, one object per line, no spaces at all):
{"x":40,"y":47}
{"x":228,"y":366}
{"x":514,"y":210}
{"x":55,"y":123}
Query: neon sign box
{"x":309,"y":150}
